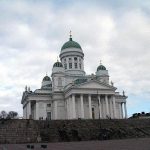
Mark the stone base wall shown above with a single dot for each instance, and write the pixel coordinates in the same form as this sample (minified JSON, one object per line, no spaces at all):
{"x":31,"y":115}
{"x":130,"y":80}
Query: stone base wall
{"x":32,"y":131}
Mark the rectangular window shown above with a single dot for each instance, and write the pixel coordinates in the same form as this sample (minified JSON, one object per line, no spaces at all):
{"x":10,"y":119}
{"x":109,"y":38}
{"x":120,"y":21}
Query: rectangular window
{"x":75,"y":65}
{"x":70,"y":65}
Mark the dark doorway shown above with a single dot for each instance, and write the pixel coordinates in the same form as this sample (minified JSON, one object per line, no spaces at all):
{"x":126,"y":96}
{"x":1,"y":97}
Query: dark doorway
{"x":49,"y":116}
{"x":93,"y":113}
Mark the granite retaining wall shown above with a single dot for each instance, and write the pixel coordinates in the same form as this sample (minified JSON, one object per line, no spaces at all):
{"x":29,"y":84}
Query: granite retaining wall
{"x":32,"y":131}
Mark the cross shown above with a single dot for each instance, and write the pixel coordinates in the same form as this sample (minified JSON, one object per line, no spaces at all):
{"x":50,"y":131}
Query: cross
{"x":100,"y":62}
{"x":123,"y":93}
{"x":70,"y":34}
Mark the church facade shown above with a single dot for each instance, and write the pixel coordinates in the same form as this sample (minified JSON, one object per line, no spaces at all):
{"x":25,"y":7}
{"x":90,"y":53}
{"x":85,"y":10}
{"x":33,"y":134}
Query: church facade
{"x":71,"y":94}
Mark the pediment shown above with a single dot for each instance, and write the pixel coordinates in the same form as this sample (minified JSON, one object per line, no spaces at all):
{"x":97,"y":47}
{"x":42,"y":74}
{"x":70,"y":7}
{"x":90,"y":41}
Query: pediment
{"x":96,"y":85}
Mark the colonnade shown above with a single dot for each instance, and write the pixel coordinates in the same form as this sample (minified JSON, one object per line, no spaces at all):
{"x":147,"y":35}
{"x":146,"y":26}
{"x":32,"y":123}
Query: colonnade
{"x":106,"y":107}
{"x":107,"y":101}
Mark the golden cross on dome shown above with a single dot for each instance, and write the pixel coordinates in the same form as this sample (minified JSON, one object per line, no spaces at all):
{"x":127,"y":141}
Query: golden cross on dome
{"x":70,"y":34}
{"x":57,"y":59}
{"x":100,"y":62}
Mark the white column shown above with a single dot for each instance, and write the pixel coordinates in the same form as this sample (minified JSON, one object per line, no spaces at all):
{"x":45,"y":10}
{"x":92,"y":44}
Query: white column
{"x":73,"y":67}
{"x":70,"y":107}
{"x":82,"y":106}
{"x":114,"y":106}
{"x":125,"y":110}
{"x":78,"y":62}
{"x":55,"y":110}
{"x":90,"y":107}
{"x":29,"y":109}
{"x":120,"y":110}
{"x":67,"y":109}
{"x":26,"y":109}
{"x":82,"y":64}
{"x":111,"y":109}
{"x":68,"y":101}
{"x":107,"y":108}
{"x":73,"y":107}
{"x":67,"y":62}
{"x":100,"y":106}
{"x":37,"y":111}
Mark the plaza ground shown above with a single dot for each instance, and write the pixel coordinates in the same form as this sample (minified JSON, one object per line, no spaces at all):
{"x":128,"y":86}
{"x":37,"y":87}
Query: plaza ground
{"x":126,"y":144}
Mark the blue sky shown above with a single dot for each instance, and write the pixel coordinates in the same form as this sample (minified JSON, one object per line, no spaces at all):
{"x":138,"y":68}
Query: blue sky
{"x":116,"y":32}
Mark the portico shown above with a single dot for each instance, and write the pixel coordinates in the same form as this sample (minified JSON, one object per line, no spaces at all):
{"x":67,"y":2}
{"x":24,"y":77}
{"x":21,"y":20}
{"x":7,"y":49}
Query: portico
{"x":104,"y":104}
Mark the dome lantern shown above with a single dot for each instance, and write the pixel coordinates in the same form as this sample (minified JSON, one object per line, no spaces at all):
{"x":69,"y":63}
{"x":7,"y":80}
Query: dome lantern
{"x":57,"y":64}
{"x":57,"y":67}
{"x":46,"y":78}
{"x":46,"y":82}
{"x":101,"y":67}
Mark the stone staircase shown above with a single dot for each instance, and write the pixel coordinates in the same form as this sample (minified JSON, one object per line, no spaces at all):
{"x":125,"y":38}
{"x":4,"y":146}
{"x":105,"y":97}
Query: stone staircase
{"x":27,"y":131}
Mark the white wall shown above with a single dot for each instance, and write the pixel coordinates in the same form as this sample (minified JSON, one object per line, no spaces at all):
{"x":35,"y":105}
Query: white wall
{"x":61,"y":113}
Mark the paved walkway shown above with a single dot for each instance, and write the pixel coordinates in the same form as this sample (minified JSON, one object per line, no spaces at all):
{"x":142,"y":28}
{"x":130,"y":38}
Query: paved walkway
{"x":127,"y":144}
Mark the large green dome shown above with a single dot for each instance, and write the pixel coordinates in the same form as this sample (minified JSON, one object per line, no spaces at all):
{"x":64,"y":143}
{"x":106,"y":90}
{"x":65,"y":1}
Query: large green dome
{"x":101,"y":67}
{"x":71,"y":44}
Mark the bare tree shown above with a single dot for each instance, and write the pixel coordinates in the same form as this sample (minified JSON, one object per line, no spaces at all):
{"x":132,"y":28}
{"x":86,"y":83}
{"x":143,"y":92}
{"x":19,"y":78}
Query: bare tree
{"x":3,"y":114}
{"x":12,"y":115}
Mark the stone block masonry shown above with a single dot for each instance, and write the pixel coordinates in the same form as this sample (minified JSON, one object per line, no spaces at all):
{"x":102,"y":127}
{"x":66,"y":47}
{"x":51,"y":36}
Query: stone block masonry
{"x":33,"y":131}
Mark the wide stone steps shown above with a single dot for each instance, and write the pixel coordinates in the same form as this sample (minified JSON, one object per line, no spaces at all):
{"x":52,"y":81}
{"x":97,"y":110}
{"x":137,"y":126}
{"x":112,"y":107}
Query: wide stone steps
{"x":27,"y":131}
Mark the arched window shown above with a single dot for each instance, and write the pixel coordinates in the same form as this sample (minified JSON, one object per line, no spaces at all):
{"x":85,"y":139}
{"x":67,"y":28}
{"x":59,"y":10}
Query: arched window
{"x":75,"y":58}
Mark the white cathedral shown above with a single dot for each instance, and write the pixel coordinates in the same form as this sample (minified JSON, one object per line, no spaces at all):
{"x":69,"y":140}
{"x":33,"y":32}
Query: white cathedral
{"x":71,"y":94}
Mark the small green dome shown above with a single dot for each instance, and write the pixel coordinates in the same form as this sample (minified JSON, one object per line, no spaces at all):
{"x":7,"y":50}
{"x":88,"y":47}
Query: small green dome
{"x":58,"y":64}
{"x":71,"y":44}
{"x":46,"y":78}
{"x":101,"y":67}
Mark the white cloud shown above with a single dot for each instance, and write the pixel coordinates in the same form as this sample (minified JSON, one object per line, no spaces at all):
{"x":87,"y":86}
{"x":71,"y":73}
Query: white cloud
{"x":31,"y":36}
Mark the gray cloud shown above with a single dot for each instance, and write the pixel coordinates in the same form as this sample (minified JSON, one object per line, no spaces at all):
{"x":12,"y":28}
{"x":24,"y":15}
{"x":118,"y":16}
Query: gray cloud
{"x":31,"y":36}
